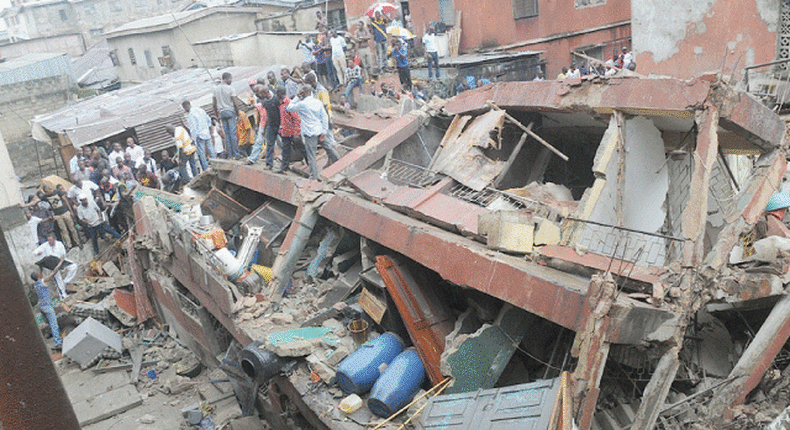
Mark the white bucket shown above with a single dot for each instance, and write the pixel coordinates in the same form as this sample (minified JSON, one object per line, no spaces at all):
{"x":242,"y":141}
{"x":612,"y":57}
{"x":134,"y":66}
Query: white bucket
{"x":230,"y":264}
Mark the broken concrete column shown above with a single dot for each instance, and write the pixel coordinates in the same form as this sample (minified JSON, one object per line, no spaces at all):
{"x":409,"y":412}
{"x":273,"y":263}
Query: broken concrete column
{"x":299,"y":233}
{"x":755,"y":360}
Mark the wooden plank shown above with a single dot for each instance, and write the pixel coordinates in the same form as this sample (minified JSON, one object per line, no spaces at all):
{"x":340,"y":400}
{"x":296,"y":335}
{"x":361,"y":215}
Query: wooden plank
{"x":512,"y":157}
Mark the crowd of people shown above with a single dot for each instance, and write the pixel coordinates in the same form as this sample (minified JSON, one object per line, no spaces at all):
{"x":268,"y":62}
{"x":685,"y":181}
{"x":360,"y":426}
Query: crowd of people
{"x":618,"y":61}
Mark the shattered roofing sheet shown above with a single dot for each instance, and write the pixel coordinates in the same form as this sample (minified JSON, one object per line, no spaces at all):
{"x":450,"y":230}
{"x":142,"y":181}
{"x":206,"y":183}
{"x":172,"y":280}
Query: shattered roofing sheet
{"x":113,"y":113}
{"x":462,"y":156}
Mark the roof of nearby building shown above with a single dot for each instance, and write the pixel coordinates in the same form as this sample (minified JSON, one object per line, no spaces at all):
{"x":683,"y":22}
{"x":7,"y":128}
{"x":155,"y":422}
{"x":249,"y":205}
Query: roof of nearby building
{"x":145,"y":108}
{"x":485,"y":57}
{"x":94,"y":68}
{"x":34,"y":66}
{"x":173,"y":20}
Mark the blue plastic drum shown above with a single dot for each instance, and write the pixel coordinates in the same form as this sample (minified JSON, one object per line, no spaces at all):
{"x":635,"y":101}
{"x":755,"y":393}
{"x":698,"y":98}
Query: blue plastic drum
{"x":397,"y":385}
{"x":358,"y":372}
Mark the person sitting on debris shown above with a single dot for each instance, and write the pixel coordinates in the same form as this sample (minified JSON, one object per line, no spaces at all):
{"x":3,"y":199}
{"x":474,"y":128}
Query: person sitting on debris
{"x":354,"y":80}
{"x":563,"y":75}
{"x":89,"y":215}
{"x":314,"y":122}
{"x":771,"y":223}
{"x":147,"y":178}
{"x":185,"y":149}
{"x":626,"y":58}
{"x":167,"y":166}
{"x":52,"y":255}
{"x":45,"y":304}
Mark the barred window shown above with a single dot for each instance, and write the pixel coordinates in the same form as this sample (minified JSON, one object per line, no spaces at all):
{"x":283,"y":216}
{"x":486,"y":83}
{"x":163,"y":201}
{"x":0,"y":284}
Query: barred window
{"x":525,"y":8}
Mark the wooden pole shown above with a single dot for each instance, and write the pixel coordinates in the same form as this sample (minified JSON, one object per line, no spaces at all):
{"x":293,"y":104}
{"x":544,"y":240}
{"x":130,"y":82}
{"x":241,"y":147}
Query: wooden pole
{"x":442,"y":384}
{"x":530,"y":132}
{"x":512,"y":157}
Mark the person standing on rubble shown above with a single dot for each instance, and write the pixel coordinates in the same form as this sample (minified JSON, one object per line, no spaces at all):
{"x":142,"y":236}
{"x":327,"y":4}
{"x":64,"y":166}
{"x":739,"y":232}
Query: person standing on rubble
{"x":400,"y":53}
{"x":378,"y":26}
{"x":45,"y":304}
{"x":290,"y":131}
{"x":270,"y":124}
{"x":338,"y":44}
{"x":431,"y":51}
{"x":226,"y":104}
{"x":185,"y":149}
{"x":314,"y":122}
{"x":362,"y":40}
{"x":199,"y":123}
{"x":62,"y":212}
{"x":89,"y":215}
{"x":52,"y":255}
{"x":322,"y":95}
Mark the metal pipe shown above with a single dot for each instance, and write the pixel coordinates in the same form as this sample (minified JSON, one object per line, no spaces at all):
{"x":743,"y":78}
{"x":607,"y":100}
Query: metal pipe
{"x":284,"y":266}
{"x":31,"y":393}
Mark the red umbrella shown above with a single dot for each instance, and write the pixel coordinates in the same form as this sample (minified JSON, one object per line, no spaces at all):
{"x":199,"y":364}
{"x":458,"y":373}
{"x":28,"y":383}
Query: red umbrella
{"x":384,"y":8}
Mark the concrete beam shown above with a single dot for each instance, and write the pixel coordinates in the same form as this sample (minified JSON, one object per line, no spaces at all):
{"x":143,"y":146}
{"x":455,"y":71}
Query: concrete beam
{"x":377,"y":147}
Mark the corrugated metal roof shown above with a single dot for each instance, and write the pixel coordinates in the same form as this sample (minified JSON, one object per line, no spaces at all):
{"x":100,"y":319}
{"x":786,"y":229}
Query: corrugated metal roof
{"x":35,"y":66}
{"x":144,"y":108}
{"x":173,"y":19}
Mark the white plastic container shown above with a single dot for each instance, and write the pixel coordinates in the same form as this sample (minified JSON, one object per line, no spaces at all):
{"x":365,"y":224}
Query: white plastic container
{"x":350,"y":404}
{"x":230,"y":264}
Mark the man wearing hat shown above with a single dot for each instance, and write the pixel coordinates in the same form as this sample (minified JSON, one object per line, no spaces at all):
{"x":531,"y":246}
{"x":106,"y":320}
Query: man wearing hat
{"x":89,"y":215}
{"x":771,"y":222}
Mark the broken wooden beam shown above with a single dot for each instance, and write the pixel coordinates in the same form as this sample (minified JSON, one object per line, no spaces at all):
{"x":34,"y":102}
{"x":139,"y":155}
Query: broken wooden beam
{"x":512,"y":157}
{"x":531,"y":133}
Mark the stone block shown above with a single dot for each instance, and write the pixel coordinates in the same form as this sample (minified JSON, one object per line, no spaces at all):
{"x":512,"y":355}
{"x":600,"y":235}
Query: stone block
{"x":546,"y":233}
{"x":246,"y":423}
{"x":508,"y":231}
{"x":88,"y":340}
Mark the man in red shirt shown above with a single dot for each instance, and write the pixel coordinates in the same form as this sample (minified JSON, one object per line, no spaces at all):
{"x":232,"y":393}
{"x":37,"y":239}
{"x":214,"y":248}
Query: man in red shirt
{"x":290,"y":129}
{"x":147,"y":178}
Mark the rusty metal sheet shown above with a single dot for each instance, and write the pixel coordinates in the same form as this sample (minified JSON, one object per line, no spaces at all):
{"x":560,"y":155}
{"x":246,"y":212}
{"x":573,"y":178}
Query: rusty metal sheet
{"x":364,"y":156}
{"x":225,"y":210}
{"x":463,"y":158}
{"x":273,"y":217}
{"x":427,"y":316}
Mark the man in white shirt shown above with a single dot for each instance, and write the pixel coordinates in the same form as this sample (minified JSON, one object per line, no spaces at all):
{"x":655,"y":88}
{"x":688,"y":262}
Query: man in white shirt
{"x":628,"y":58}
{"x":431,"y":52}
{"x":117,"y":152}
{"x":314,"y":122}
{"x":89,"y":215}
{"x":339,"y":56}
{"x":199,"y":124}
{"x":134,"y":150}
{"x":52,"y":255}
{"x":80,"y":187}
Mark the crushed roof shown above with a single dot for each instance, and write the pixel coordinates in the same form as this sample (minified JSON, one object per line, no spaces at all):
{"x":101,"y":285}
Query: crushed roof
{"x":117,"y":112}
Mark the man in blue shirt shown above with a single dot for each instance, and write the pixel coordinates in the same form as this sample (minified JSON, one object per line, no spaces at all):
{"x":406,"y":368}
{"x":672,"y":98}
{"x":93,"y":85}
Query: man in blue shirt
{"x":199,"y":123}
{"x":45,"y":303}
{"x":401,"y":55}
{"x":315,"y":124}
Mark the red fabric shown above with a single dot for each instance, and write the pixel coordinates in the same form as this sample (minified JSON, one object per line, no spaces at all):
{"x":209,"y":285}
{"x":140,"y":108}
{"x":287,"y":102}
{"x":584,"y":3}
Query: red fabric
{"x":261,"y":114}
{"x":290,"y":125}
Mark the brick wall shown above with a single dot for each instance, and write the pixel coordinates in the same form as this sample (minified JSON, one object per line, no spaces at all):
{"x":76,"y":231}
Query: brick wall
{"x":19,"y":103}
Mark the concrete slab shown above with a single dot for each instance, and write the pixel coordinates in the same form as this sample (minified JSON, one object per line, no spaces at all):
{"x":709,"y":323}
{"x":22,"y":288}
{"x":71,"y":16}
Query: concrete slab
{"x":246,"y":423}
{"x":88,"y":340}
{"x":79,"y":388}
{"x":107,"y":405}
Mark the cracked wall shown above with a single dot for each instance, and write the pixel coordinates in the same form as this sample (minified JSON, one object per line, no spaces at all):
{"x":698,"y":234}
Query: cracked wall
{"x":686,"y":38}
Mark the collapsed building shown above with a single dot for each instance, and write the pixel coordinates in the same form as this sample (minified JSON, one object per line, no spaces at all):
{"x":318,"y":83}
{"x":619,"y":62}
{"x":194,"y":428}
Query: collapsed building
{"x":558,"y":249}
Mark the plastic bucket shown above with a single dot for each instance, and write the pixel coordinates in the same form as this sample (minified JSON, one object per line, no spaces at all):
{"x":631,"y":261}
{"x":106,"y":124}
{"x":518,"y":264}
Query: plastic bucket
{"x":359,"y":371}
{"x":359,"y":331}
{"x":397,"y":385}
{"x":230,"y":264}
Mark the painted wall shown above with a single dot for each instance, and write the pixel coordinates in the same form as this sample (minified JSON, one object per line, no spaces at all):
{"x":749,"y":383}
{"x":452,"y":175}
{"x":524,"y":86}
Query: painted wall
{"x":69,"y":44}
{"x":91,"y":17}
{"x":488,"y":23}
{"x":183,"y":54}
{"x":685,"y":38}
{"x":262,"y":48}
{"x":302,"y":19}
{"x":28,"y":99}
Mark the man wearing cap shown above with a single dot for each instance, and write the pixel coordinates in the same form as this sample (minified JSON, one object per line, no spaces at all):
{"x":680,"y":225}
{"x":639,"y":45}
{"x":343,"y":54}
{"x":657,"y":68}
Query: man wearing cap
{"x":771,"y":223}
{"x":89,"y":215}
